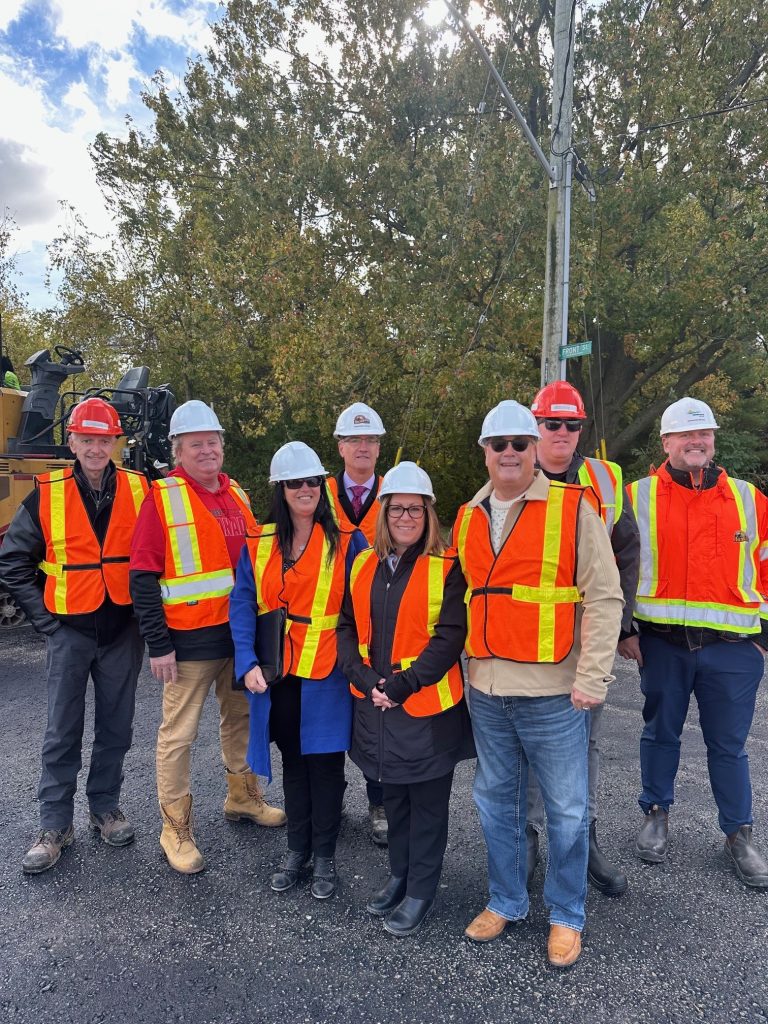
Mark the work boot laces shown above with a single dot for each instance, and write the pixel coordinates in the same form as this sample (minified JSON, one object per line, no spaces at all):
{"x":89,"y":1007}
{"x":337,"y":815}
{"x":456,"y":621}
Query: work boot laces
{"x":252,"y":788}
{"x":50,"y":837}
{"x":112,"y":816}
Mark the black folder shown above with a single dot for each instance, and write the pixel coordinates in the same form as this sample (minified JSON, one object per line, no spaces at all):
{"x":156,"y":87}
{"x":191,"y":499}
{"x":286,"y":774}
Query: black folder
{"x":270,"y":637}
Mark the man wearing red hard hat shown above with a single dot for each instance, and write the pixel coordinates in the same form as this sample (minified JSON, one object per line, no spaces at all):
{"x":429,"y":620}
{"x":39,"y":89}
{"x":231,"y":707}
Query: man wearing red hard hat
{"x":560,"y":414}
{"x":65,"y":560}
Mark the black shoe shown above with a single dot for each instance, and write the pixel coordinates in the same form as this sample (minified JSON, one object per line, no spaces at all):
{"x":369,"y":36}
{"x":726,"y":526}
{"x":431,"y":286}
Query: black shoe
{"x":287,"y":875}
{"x":652,"y":840}
{"x":533,"y":840}
{"x":324,"y":879}
{"x":46,"y":850}
{"x":750,"y":865}
{"x":387,"y":899}
{"x":114,"y":827}
{"x":408,"y":916}
{"x":601,"y":873}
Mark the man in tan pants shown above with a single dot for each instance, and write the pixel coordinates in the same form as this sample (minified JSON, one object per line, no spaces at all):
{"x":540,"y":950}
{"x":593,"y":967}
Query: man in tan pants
{"x":188,"y":539}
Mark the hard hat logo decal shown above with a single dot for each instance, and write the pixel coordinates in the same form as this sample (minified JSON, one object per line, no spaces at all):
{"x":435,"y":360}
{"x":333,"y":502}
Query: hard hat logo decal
{"x":694,"y":413}
{"x":361,"y":418}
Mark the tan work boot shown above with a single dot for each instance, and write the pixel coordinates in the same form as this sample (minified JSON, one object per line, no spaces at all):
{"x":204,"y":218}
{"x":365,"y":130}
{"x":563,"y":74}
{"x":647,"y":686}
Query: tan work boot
{"x":245,"y":800}
{"x":177,"y":840}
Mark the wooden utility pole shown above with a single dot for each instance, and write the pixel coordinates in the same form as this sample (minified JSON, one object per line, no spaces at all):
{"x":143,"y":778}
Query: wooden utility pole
{"x":557,"y":276}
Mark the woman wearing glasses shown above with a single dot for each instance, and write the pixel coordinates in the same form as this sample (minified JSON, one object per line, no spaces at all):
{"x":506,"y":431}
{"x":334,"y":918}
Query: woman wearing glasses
{"x":299,"y":560}
{"x":401,"y":634}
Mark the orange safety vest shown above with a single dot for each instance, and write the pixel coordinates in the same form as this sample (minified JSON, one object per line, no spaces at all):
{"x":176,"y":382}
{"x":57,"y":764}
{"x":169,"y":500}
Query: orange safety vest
{"x":703,"y":554}
{"x":417,"y":617}
{"x":311,"y":591}
{"x":605,"y":479}
{"x":368,"y":522}
{"x":79,"y":572}
{"x":521,"y":602}
{"x":198,"y":574}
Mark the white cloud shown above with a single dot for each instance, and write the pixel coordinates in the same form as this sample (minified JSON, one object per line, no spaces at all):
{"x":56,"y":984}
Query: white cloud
{"x":119,"y":72}
{"x":110,"y":24}
{"x":9,"y":11}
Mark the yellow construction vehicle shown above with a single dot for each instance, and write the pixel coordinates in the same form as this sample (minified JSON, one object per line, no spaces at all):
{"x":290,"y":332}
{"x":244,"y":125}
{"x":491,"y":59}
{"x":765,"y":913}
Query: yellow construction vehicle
{"x":33,"y":433}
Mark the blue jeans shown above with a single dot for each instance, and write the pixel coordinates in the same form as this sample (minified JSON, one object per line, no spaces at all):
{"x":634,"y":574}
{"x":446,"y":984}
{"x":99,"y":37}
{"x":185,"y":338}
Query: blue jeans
{"x":533,"y":797}
{"x":548,"y":734}
{"x":724,"y":678}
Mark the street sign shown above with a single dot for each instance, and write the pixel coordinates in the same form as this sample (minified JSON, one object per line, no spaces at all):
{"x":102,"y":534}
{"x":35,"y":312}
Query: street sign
{"x":580,"y":348}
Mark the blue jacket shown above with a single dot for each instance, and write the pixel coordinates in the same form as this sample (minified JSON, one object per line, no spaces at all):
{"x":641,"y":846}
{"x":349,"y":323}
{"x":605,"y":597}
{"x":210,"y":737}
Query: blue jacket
{"x":326,"y":704}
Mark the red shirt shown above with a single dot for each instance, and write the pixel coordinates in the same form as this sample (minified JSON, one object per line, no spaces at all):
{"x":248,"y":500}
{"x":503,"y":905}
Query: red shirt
{"x":148,"y":546}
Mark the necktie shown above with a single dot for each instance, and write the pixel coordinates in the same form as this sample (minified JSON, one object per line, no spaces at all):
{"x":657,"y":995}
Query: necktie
{"x":357,"y":498}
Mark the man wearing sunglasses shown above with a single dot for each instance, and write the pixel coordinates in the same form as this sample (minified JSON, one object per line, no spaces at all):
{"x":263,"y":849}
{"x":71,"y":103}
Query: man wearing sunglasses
{"x":352,"y":496}
{"x":560,"y":415}
{"x":543,"y":616}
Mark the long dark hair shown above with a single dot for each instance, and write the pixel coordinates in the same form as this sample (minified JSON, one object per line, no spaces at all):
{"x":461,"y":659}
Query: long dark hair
{"x":280,"y":515}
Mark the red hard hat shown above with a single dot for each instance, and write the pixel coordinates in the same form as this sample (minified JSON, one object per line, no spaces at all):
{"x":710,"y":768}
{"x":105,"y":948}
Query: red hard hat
{"x":94,"y":416}
{"x":558,"y":400}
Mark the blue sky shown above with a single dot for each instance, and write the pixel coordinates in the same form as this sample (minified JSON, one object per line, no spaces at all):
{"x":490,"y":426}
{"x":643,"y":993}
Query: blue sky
{"x":69,"y":69}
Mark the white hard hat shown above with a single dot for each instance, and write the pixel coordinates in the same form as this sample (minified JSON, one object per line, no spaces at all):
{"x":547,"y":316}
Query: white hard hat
{"x":406,"y":478}
{"x":295,"y":461}
{"x":193,"y":416}
{"x":510,"y":418}
{"x":359,"y":419}
{"x":687,"y":414}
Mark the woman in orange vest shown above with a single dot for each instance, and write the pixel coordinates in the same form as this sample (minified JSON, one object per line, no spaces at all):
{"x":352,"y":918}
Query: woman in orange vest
{"x":299,"y":560}
{"x":401,"y":634}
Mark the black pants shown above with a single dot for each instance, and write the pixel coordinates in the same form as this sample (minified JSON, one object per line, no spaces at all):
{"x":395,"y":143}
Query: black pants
{"x":71,"y":658}
{"x":313,"y":784}
{"x":375,"y":792}
{"x":417,"y":814}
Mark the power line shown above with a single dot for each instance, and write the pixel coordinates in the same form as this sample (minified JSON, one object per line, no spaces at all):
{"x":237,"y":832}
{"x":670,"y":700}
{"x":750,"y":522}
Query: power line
{"x":692,"y":117}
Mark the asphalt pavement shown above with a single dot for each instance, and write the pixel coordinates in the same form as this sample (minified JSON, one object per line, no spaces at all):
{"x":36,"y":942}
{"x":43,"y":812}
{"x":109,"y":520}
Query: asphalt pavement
{"x":116,"y":936}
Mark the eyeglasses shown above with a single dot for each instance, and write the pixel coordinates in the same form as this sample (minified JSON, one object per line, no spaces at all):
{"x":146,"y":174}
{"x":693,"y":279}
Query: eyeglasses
{"x":357,"y":441}
{"x":572,"y":426}
{"x":519,"y":444}
{"x":310,"y":481}
{"x":398,"y":511}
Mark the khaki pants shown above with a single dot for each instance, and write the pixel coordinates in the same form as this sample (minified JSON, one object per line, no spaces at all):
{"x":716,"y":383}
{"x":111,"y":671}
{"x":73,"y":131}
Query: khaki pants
{"x":182,"y":707}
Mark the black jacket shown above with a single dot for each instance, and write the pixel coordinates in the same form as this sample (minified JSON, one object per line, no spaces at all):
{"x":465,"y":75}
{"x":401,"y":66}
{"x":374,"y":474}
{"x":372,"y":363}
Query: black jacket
{"x":392,"y":745}
{"x":24,"y":548}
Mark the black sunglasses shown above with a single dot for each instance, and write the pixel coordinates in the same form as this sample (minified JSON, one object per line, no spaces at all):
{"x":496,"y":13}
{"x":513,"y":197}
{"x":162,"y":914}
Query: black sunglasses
{"x":570,"y":425}
{"x":310,"y":481}
{"x":519,"y":444}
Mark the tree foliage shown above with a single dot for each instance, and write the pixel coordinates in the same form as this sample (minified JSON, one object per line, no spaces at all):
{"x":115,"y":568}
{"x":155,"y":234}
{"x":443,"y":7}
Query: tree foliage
{"x":334,"y":207}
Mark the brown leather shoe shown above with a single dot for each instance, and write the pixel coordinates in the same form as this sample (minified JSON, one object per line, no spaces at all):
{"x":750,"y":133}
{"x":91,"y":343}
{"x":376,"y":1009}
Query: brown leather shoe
{"x":487,"y":926}
{"x":563,"y":946}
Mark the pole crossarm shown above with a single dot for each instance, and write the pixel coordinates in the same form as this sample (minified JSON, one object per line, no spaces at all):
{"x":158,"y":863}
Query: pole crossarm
{"x":550,"y":171}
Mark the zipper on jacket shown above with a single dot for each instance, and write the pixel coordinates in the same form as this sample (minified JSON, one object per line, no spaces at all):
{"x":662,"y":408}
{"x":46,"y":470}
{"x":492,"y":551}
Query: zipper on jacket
{"x":381,"y":716}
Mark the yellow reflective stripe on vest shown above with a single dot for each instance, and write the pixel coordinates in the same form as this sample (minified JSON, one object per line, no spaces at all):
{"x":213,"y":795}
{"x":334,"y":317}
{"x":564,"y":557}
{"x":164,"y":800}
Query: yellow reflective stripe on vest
{"x":319,"y":604}
{"x":546,"y":595}
{"x":744,"y":496}
{"x":644,"y":501}
{"x":197,"y":587}
{"x":461,"y":545}
{"x":357,"y":566}
{"x":59,"y":536}
{"x":442,"y":687}
{"x":550,"y":559}
{"x":435,"y":590}
{"x":182,"y":532}
{"x":730,"y":618}
{"x":136,"y":484}
{"x":263,"y":551}
{"x":238,"y":490}
{"x":609,"y":488}
{"x":331,"y":503}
